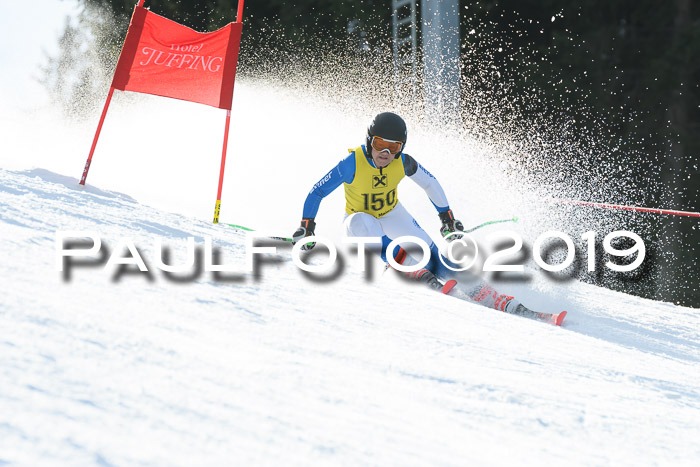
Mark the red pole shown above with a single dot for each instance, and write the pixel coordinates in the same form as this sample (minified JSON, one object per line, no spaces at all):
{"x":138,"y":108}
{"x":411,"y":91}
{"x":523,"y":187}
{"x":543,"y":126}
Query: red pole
{"x":239,"y":15}
{"x":630,"y":208}
{"x":97,"y":135}
{"x":217,"y":208}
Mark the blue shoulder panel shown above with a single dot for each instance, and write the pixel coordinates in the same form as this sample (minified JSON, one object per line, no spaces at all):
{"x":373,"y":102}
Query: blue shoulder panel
{"x":344,"y":172}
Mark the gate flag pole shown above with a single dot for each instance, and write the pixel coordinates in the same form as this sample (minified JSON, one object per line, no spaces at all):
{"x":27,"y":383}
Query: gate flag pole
{"x":97,"y":136}
{"x":670,"y":212}
{"x":217,"y":207}
{"x":99,"y":128}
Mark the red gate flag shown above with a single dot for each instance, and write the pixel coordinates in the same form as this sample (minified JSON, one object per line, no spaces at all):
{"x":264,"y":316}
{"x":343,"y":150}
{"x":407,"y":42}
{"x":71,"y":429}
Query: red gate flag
{"x":164,"y":58}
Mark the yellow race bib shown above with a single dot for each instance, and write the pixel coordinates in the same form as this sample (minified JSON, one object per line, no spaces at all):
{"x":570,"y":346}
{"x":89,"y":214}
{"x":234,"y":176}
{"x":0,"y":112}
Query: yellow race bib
{"x":372,"y":190}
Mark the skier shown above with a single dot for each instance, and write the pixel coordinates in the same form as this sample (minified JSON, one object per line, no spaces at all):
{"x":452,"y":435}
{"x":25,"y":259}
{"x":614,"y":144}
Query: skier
{"x":371,"y":174}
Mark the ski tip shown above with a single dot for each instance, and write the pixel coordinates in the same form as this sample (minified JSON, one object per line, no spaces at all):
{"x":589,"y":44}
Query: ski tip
{"x":558,"y":319}
{"x":449,"y":285}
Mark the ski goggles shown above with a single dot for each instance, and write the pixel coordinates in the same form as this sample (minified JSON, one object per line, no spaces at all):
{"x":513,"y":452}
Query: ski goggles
{"x":381,"y":144}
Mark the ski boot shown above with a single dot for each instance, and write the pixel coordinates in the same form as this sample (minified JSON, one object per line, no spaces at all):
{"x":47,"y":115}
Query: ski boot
{"x":423,"y":275}
{"x":427,"y":277}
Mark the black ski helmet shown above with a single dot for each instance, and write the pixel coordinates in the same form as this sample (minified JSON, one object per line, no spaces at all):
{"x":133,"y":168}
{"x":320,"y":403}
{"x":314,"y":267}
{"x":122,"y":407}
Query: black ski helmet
{"x":387,"y":125}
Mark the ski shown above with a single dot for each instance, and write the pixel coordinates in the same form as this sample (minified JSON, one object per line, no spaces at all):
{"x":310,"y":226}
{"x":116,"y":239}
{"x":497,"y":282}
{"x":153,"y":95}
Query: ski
{"x":552,"y":318}
{"x":560,"y":318}
{"x":448,"y":288}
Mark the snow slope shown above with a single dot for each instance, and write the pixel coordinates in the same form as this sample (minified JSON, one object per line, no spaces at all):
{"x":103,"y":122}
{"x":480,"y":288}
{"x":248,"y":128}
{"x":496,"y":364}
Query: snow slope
{"x":128,"y":369}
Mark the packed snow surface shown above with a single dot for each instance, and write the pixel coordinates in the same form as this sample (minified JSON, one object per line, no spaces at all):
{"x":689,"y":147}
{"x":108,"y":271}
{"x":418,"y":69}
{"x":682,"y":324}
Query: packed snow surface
{"x":111,"y":366}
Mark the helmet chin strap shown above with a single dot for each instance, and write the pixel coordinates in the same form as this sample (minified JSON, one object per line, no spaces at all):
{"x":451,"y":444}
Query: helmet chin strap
{"x":375,"y":162}
{"x":395,"y":157}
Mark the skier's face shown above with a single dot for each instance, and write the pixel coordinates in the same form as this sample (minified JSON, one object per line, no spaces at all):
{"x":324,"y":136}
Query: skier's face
{"x":383,"y":158}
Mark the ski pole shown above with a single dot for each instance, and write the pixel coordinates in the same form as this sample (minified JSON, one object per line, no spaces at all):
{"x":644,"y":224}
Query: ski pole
{"x":247,"y":229}
{"x":513,"y":219}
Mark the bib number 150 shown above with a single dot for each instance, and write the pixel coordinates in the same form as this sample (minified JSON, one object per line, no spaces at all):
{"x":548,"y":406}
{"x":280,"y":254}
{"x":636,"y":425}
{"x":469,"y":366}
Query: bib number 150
{"x":377,"y":201}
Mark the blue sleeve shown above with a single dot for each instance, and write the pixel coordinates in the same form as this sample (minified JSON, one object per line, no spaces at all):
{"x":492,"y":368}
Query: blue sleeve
{"x":344,"y":172}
